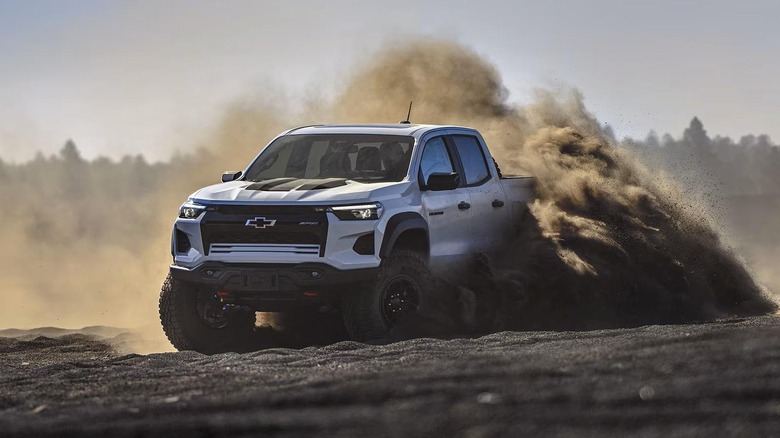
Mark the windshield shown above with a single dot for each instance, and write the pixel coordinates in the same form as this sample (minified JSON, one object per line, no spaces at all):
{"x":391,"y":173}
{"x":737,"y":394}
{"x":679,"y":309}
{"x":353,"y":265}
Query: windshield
{"x":358,"y":157}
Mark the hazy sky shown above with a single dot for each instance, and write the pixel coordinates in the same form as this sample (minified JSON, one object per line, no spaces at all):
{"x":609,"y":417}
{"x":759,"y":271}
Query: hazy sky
{"x":150,"y":76}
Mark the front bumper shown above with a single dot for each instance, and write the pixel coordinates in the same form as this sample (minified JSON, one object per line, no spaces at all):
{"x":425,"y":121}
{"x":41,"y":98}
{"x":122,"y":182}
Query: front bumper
{"x":273,"y":287}
{"x":271,"y":277}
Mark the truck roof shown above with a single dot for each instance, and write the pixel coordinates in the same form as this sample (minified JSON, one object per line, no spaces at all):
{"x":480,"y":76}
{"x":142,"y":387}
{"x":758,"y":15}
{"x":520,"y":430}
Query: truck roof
{"x":388,"y":129}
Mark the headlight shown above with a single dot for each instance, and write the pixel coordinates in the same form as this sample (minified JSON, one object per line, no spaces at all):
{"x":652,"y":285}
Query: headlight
{"x":358,"y":212}
{"x":191,"y":210}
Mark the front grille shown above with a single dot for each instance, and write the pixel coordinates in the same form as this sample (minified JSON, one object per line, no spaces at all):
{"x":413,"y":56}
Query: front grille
{"x":255,"y":236}
{"x":295,"y":229}
{"x":227,"y":248}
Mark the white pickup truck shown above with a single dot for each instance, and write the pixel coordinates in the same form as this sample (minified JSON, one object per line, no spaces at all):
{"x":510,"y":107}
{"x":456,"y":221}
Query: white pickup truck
{"x":352,"y":217}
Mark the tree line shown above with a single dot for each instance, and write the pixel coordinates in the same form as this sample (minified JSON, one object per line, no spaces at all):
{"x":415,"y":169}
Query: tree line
{"x":747,"y":167}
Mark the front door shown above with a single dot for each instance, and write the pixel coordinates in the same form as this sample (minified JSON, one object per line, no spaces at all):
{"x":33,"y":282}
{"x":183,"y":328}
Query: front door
{"x":447,"y":211}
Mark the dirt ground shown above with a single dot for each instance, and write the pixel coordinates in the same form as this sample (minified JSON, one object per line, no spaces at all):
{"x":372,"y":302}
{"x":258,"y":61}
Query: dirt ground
{"x":715,"y":379}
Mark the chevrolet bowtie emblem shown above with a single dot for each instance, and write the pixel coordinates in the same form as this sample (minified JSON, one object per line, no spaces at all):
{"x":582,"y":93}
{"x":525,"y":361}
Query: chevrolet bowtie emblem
{"x":260,"y":222}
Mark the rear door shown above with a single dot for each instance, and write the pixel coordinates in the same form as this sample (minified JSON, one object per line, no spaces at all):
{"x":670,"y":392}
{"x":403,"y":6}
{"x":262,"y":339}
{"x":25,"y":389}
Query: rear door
{"x":448,"y":218}
{"x":491,"y":212}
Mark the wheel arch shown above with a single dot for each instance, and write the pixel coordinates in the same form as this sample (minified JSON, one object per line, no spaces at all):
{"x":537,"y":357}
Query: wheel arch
{"x":406,"y":230}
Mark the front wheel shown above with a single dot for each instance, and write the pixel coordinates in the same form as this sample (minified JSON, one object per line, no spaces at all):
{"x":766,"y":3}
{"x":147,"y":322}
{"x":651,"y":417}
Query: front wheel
{"x":193,"y":319}
{"x":403,"y":284}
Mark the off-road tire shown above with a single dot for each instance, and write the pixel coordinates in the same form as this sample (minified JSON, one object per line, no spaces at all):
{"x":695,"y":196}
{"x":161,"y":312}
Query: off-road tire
{"x":187,"y":331}
{"x":362,"y":308}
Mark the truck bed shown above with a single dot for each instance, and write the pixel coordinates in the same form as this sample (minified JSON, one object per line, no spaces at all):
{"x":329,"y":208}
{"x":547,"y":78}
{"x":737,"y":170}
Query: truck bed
{"x":519,"y":191}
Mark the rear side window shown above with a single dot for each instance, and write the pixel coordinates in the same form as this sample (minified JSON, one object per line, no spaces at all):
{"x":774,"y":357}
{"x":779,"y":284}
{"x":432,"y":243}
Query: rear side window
{"x":474,"y":163}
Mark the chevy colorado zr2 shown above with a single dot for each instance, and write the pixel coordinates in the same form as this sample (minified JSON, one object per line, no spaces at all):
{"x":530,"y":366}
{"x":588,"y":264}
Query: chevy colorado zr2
{"x":351,"y":217}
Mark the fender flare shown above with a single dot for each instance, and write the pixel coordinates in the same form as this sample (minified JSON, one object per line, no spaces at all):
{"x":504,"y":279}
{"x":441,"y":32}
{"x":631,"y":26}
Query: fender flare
{"x":397,"y":225}
{"x":173,"y":243}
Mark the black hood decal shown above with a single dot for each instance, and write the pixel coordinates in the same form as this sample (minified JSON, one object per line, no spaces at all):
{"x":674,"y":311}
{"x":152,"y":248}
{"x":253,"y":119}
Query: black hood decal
{"x":269,"y":183}
{"x":288,"y":184}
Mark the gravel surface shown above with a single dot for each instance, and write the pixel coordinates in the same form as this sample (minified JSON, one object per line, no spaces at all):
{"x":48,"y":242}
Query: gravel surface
{"x":714,"y":379}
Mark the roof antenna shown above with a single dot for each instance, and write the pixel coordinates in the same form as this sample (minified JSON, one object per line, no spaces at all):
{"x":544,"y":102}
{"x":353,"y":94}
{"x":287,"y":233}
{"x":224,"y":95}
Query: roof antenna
{"x":408,"y":115}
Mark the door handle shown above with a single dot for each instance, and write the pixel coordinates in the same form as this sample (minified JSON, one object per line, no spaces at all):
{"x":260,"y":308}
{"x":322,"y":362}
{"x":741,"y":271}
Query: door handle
{"x":464,"y":205}
{"x":498,"y":203}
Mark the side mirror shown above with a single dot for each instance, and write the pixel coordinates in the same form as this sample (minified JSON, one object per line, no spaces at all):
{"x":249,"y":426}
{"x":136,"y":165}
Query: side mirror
{"x":443,"y":181}
{"x":231,"y":176}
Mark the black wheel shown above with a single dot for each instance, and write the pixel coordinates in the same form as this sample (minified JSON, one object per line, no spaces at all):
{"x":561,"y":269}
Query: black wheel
{"x":403,"y":283}
{"x":193,"y":319}
{"x":400,"y":296}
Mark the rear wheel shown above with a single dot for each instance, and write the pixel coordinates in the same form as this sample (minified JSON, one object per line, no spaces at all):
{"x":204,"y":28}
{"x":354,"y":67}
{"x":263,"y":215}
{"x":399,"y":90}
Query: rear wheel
{"x":403,"y":284}
{"x":193,"y":319}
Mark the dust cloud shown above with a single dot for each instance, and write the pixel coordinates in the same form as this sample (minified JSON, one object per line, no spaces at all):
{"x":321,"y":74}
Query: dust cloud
{"x":87,"y":242}
{"x":606,"y":244}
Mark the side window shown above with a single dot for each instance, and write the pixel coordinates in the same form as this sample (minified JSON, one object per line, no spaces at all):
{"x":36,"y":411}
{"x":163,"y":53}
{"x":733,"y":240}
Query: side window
{"x":474,"y":164}
{"x":435,"y":158}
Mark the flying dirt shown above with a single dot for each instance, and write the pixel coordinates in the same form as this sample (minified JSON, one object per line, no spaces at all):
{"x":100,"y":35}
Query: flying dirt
{"x":605,"y":244}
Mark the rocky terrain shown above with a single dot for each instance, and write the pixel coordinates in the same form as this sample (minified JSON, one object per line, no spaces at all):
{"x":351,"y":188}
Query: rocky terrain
{"x":713,"y":379}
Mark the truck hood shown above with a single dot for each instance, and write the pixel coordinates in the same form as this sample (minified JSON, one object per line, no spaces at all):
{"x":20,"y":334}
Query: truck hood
{"x":289,"y":190}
